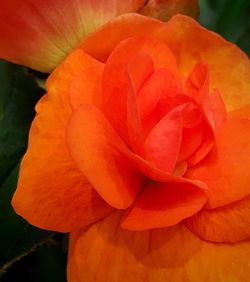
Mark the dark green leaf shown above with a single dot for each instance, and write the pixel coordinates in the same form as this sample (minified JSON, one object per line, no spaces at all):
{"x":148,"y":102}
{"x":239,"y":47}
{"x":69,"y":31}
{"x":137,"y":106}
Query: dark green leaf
{"x":18,"y":96}
{"x":17,"y":237}
{"x":230,"y":18}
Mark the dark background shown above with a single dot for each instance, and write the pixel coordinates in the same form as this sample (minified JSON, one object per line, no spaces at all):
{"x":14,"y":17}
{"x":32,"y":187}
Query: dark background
{"x":30,"y":254}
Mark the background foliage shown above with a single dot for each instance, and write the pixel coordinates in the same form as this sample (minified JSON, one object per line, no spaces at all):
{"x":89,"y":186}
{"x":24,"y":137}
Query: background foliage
{"x":30,"y":253}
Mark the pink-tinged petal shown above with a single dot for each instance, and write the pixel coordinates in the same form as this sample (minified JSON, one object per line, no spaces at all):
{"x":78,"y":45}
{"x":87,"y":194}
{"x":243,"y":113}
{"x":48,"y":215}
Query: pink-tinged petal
{"x":115,"y":81}
{"x":162,"y":146}
{"x":94,"y":144}
{"x":228,"y":224}
{"x":164,"y":9}
{"x":163,"y":205}
{"x":39,"y":34}
{"x":52,"y":193}
{"x":226,"y":169}
{"x":106,"y":252}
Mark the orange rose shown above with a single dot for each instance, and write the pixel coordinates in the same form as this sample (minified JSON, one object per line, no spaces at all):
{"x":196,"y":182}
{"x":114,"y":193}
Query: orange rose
{"x":148,"y":121}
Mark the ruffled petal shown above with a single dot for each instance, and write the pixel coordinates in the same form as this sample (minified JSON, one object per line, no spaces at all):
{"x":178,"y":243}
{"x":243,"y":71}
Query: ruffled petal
{"x":39,"y":34}
{"x":115,"y":81}
{"x":106,"y":252}
{"x":162,"y":145}
{"x":138,"y":71}
{"x":226,"y":169}
{"x":52,"y":193}
{"x":190,"y":43}
{"x":228,"y":224}
{"x":163,"y":205}
{"x":94,"y":145}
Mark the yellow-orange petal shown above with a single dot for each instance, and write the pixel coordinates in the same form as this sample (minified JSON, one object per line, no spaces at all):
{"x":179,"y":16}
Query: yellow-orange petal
{"x":226,"y":169}
{"x":168,"y":254}
{"x":228,"y":224}
{"x":190,"y":43}
{"x":164,"y":9}
{"x":52,"y":193}
{"x":93,"y":144}
{"x":39,"y":34}
{"x":162,"y":205}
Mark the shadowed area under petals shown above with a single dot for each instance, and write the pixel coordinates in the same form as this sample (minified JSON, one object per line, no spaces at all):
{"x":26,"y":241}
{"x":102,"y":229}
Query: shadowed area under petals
{"x":162,"y":205}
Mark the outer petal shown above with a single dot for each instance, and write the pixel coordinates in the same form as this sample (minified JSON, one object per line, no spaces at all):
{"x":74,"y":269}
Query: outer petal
{"x":106,"y":252}
{"x":39,"y":34}
{"x":164,"y":9}
{"x":162,"y":205}
{"x":226,"y":168}
{"x":190,"y":43}
{"x":52,"y":193}
{"x":226,"y":224}
{"x":93,"y":144}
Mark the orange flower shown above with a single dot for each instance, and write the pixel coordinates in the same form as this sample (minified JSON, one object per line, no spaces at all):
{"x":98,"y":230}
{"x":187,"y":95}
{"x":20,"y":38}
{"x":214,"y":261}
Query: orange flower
{"x":148,"y":121}
{"x":40,"y":33}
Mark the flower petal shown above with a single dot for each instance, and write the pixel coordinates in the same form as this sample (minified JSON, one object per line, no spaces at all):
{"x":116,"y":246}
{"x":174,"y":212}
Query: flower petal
{"x":93,"y":145}
{"x":52,"y":193}
{"x":167,"y":254}
{"x":228,"y":224}
{"x":190,"y":43}
{"x":164,"y":9}
{"x":162,"y":145}
{"x":115,"y":81}
{"x":86,"y":87}
{"x":226,"y":168}
{"x":163,"y":205}
{"x":39,"y":34}
{"x":138,"y":71}
{"x":157,"y":96}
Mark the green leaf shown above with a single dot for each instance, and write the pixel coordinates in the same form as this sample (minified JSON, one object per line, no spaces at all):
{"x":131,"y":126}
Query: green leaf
{"x":51,"y":263}
{"x":230,"y":18}
{"x":18,"y":96}
{"x":17,"y":237}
